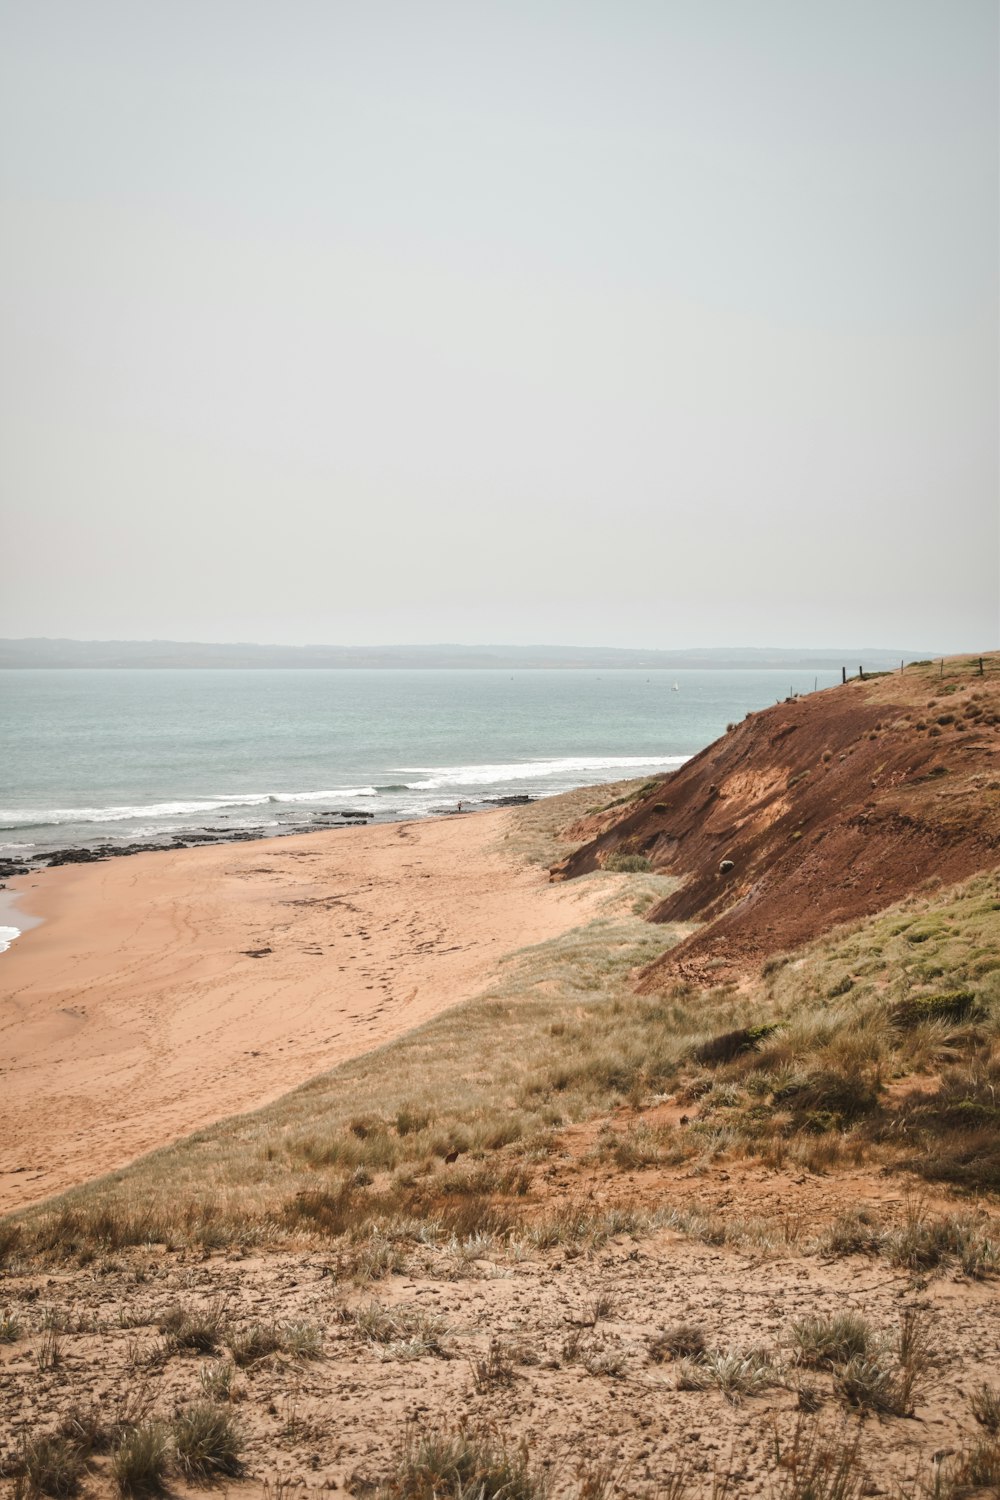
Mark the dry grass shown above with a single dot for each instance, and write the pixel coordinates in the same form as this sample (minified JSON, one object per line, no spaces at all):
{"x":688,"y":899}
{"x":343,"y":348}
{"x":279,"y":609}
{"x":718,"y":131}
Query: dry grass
{"x":207,"y":1442}
{"x":462,"y":1466}
{"x":443,"y":1135}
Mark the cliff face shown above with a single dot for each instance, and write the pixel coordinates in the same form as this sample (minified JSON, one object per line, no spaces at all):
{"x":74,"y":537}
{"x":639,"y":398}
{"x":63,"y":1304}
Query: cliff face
{"x":815,"y":812}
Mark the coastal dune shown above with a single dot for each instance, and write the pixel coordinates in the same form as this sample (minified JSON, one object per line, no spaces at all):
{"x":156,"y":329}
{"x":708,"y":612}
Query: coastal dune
{"x":166,"y":991}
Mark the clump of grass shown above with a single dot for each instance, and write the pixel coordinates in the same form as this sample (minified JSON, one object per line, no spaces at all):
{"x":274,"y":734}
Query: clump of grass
{"x":621,"y":863}
{"x":402,"y":1332}
{"x":680,"y":1340}
{"x":10,"y":1327}
{"x":11,"y":1239}
{"x":462,"y":1466}
{"x":921,"y":1243}
{"x":261,"y":1340}
{"x":823,"y":1342}
{"x":978,"y":1467}
{"x":218,"y":1380}
{"x":736,"y":1375}
{"x":49,"y":1354}
{"x":207,"y":1441}
{"x":492,"y":1369}
{"x":140,"y":1462}
{"x":85,"y":1428}
{"x":730,"y":1044}
{"x":200,"y":1331}
{"x":852,"y":1233}
{"x":820,"y":1465}
{"x":50,"y":1464}
{"x":888,"y":1379}
{"x":985,"y":1405}
{"x":954,"y":1005}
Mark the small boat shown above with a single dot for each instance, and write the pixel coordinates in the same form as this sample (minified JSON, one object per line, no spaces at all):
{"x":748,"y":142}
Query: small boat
{"x":676,"y":688}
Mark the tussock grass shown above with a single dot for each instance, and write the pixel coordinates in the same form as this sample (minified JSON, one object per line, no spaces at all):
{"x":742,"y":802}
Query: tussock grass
{"x":543,"y":832}
{"x":403,"y":1332}
{"x":575,"y":1038}
{"x":50,"y":1464}
{"x":492,"y":1369}
{"x":437,"y":1137}
{"x":259,"y":1341}
{"x":207,"y":1442}
{"x":824,"y":1342}
{"x":887,"y":1375}
{"x":733,"y":1373}
{"x":985,"y":1406}
{"x":199,"y":1330}
{"x":141,"y":1461}
{"x":680,"y":1340}
{"x":462,"y":1466}
{"x":819,"y":1464}
{"x":10,"y":1327}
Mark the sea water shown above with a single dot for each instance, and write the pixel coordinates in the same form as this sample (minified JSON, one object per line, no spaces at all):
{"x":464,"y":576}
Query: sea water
{"x":116,"y":756}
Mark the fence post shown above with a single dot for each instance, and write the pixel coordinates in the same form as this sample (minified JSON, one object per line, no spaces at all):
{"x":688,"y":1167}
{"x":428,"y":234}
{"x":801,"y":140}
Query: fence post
{"x":843,"y":675}
{"x":861,"y":673}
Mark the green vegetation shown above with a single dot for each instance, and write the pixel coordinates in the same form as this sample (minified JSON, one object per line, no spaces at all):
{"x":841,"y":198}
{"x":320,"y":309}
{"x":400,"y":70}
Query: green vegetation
{"x":462,"y":1466}
{"x":878,"y":1044}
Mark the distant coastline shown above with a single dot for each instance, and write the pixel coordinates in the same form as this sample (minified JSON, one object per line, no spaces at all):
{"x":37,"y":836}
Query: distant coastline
{"x":36,"y":652}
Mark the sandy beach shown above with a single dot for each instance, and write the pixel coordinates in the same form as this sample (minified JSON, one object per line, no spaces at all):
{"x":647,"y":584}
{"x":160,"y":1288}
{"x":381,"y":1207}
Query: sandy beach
{"x":165,"y":991}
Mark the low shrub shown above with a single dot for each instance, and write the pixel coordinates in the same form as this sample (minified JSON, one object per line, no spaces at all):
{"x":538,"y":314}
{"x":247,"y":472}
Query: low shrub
{"x":730,"y":1044}
{"x":627,"y":864}
{"x":954,"y":1005}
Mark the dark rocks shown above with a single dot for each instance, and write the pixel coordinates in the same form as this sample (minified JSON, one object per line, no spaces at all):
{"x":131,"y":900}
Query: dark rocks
{"x":13,"y":867}
{"x":520,"y":800}
{"x":726,"y":866}
{"x":76,"y":857}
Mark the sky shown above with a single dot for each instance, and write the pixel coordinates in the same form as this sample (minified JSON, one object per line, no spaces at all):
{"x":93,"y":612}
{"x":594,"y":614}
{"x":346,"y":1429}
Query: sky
{"x":630,"y":322}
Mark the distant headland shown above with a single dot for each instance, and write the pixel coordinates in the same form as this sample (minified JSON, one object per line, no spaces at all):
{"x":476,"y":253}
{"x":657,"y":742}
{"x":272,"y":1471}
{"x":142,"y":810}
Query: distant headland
{"x":44,"y":652}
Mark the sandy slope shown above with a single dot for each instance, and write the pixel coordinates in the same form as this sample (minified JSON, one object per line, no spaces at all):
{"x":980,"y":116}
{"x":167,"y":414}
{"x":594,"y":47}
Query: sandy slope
{"x":136,"y":1012}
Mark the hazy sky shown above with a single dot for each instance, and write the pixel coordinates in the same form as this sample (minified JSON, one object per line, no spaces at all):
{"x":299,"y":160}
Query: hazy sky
{"x":586,"y":321}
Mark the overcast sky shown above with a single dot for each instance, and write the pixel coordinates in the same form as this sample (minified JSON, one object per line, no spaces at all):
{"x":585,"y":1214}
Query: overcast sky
{"x":577,"y":321}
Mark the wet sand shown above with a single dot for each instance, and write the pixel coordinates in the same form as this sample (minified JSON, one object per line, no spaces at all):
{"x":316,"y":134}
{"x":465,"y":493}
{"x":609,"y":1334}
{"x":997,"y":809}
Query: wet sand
{"x":165,"y":991}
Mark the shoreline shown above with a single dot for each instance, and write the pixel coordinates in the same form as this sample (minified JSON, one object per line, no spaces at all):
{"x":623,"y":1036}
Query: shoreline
{"x":157,"y":995}
{"x":14,"y":866}
{"x":14,"y":920}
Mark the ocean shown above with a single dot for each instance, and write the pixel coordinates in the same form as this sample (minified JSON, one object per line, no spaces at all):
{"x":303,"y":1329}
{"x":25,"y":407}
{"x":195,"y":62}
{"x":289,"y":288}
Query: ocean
{"x":107,"y":758}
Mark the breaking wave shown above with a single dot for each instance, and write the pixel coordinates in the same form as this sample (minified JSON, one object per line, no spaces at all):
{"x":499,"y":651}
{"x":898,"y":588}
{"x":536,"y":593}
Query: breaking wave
{"x":53,"y":817}
{"x":533,"y":770}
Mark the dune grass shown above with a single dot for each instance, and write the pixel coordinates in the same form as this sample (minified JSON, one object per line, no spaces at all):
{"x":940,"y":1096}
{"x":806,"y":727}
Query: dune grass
{"x":878,"y":1043}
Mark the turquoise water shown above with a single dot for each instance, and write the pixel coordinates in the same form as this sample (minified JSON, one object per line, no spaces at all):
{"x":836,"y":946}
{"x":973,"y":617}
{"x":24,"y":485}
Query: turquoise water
{"x":92,"y":757}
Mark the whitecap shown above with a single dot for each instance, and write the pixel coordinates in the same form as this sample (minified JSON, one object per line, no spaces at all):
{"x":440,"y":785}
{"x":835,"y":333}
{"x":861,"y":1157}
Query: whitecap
{"x":534,"y":770}
{"x":30,"y":817}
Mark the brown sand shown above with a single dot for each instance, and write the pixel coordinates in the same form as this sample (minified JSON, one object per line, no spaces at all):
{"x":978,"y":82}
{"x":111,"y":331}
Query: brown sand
{"x":136,"y":1012}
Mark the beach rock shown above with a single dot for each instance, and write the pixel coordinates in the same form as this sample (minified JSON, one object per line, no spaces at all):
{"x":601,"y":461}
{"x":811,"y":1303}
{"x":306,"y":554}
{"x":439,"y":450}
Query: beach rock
{"x":520,"y":800}
{"x":12,"y":867}
{"x":726,"y":866}
{"x":76,"y":857}
{"x":355,"y":815}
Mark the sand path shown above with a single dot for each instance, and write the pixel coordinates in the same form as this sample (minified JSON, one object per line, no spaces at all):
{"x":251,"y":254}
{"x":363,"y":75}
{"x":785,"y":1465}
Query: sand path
{"x":137,"y":1011}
